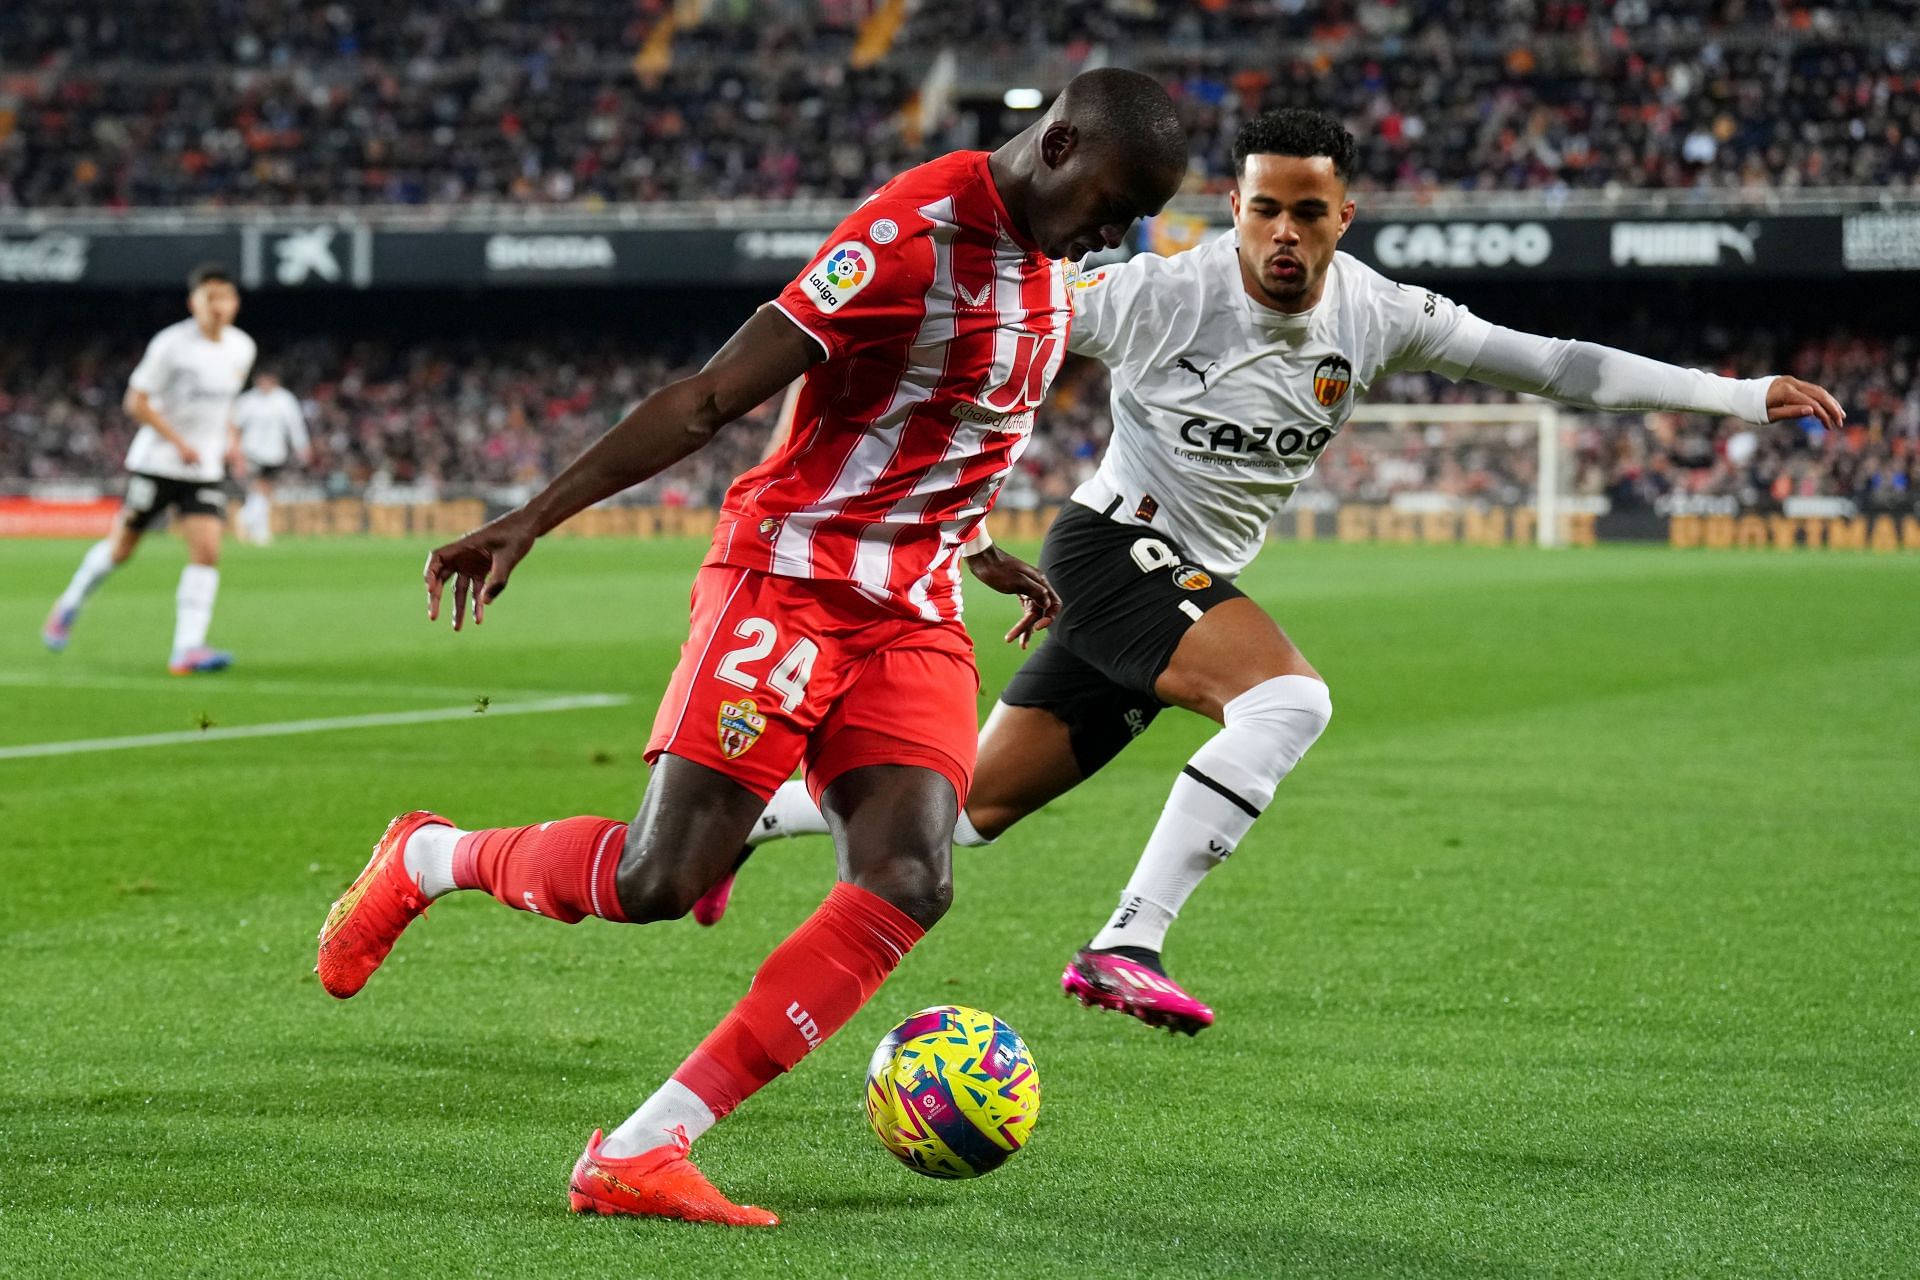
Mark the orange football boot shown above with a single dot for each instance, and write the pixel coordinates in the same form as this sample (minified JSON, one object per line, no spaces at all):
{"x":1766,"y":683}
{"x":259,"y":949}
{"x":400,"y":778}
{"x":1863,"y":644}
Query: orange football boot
{"x":661,"y":1183}
{"x":372,"y":913}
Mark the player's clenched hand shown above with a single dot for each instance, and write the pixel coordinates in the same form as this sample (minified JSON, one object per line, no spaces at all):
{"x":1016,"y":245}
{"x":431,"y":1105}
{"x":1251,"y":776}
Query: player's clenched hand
{"x":1789,"y":398}
{"x":1012,"y":576}
{"x":478,"y":565}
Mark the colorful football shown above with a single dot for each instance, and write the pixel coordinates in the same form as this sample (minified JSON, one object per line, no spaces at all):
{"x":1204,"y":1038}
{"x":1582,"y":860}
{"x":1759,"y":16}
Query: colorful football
{"x":952,"y":1092}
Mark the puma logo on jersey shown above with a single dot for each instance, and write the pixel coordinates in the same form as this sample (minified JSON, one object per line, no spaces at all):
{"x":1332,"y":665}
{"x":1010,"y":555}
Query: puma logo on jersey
{"x":1188,"y":365}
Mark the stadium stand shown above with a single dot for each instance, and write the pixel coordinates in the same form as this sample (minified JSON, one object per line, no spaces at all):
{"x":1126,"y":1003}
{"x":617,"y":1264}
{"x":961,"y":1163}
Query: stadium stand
{"x":468,"y":415}
{"x":307,"y":103}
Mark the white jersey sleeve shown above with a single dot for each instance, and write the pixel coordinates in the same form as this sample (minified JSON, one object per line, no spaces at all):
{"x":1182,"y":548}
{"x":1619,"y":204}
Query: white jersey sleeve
{"x":156,"y":365}
{"x":1426,"y":331}
{"x":1103,"y":303}
{"x":1591,"y":376}
{"x":1423,"y":330}
{"x":296,"y":423}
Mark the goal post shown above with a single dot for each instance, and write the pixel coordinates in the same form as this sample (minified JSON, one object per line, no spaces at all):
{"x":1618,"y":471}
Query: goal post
{"x":1542,"y":415}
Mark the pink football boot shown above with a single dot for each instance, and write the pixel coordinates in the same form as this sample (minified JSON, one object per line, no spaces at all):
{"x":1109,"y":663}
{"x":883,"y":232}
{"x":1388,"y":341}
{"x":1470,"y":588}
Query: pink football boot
{"x":1109,"y":980}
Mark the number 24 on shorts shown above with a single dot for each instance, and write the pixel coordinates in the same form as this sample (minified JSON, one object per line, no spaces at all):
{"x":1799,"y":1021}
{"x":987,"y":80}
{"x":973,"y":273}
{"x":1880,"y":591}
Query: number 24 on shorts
{"x":789,"y":676}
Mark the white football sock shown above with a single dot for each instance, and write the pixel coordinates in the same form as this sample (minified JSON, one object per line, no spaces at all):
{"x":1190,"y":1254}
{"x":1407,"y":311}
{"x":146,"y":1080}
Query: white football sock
{"x":256,"y":518}
{"x":1214,"y":801}
{"x":791,"y":812}
{"x":193,"y":606}
{"x":673,"y":1109}
{"x":93,"y":570}
{"x":428,"y":857}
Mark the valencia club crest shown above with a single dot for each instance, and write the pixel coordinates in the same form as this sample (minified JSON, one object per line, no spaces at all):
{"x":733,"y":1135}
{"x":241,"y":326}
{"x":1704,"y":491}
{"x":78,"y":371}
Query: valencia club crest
{"x":1331,"y":378}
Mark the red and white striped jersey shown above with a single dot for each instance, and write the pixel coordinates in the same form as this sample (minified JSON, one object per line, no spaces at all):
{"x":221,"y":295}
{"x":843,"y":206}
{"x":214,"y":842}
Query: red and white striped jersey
{"x":942,"y":327}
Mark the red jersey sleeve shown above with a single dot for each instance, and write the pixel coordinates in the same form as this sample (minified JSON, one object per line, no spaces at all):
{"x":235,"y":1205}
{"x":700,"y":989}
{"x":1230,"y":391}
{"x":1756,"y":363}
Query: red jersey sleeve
{"x":869,"y":284}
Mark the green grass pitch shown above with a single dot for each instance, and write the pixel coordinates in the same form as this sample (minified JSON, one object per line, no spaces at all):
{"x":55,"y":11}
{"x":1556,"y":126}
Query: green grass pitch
{"x":1587,"y":941}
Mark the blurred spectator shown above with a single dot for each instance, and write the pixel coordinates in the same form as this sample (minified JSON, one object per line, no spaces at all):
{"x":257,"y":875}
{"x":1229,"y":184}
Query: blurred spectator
{"x":300,"y":102}
{"x":460,"y":415}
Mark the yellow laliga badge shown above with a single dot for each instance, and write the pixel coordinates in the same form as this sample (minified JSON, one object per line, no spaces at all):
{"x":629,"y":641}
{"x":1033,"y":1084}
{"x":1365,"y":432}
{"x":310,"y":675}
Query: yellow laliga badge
{"x":741,"y":725}
{"x":1079,"y":279}
{"x":1331,"y":378}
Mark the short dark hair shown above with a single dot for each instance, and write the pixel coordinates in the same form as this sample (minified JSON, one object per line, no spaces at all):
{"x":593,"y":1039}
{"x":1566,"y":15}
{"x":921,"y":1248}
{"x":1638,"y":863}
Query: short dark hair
{"x":1295,"y":131}
{"x":206,"y":272}
{"x":1113,"y":104}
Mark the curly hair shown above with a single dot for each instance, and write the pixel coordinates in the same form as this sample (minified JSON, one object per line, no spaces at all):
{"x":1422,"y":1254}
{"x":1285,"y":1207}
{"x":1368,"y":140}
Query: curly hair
{"x":1295,"y":131}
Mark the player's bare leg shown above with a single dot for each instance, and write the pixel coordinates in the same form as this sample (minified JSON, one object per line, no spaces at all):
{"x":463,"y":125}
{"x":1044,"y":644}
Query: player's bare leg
{"x":1025,"y":762}
{"x":102,"y":558}
{"x":1238,"y":668}
{"x":193,"y":601}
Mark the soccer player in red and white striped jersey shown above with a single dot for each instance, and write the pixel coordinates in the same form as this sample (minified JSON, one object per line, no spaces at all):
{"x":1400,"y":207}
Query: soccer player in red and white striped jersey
{"x":948,"y":324}
{"x":927,"y":330}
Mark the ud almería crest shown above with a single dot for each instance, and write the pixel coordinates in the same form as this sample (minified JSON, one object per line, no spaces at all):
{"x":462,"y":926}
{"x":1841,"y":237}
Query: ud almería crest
{"x":741,"y":725}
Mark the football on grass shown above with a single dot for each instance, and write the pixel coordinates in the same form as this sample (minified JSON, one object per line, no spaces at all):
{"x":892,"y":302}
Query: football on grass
{"x":952,"y":1092}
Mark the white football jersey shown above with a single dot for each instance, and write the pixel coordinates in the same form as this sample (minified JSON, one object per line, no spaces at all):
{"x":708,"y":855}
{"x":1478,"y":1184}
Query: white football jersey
{"x":192,"y":382}
{"x":272,"y":427}
{"x":1221,"y":406}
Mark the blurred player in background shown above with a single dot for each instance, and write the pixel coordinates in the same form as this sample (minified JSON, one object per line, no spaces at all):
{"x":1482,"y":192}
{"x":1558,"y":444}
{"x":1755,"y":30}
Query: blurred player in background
{"x":181,"y":393}
{"x":1234,"y":365}
{"x":826,"y":617}
{"x":273,"y":435}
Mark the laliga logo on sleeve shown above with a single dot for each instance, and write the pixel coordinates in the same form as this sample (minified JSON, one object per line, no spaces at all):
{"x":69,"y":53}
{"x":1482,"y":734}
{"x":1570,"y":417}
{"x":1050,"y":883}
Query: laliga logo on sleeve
{"x":844,"y":272}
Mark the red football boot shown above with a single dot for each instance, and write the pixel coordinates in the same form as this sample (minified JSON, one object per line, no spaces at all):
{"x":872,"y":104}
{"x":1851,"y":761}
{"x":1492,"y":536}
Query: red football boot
{"x":661,"y":1183}
{"x":372,"y":913}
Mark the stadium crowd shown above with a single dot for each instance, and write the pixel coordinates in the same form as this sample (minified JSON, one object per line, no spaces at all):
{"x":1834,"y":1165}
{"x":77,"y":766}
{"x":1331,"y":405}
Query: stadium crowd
{"x":301,"y":102}
{"x":465,"y":416}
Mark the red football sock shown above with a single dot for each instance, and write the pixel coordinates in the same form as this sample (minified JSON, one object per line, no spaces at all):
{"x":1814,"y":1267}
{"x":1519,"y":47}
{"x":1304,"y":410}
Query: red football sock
{"x":562,"y":870}
{"x":805,"y":991}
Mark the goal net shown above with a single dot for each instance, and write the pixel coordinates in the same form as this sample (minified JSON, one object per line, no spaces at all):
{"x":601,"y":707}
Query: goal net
{"x":1443,"y":472}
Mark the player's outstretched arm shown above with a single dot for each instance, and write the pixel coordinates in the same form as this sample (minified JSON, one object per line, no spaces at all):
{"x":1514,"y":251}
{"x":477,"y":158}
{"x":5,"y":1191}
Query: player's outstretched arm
{"x":1790,"y":398}
{"x":767,"y":353}
{"x":1592,"y":376}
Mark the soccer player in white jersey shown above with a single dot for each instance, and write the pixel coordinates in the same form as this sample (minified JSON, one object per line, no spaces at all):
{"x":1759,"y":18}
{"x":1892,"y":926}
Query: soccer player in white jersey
{"x":273,"y":434}
{"x":182,"y":395}
{"x":1233,"y":367}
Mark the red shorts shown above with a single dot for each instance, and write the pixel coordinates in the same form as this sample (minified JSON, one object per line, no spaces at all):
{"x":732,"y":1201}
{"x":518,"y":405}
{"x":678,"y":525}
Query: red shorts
{"x":782,"y":671}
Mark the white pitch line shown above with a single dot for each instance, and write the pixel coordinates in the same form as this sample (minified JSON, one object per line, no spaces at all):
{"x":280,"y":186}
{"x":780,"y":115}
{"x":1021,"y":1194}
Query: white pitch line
{"x":80,"y":746}
{"x":227,"y":684}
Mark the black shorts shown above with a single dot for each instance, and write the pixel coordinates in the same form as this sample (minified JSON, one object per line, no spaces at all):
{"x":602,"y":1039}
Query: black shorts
{"x":266,"y":470}
{"x":1127,"y":596}
{"x":150,"y":497}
